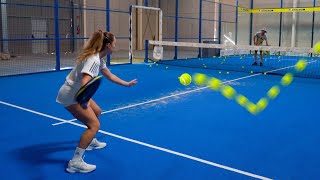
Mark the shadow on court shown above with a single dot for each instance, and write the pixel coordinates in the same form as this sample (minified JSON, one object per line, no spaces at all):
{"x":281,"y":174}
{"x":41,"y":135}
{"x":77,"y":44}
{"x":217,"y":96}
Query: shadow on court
{"x":36,"y":156}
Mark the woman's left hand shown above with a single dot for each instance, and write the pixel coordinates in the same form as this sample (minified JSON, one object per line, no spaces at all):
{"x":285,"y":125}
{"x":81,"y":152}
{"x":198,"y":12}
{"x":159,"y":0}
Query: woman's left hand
{"x":132,"y":82}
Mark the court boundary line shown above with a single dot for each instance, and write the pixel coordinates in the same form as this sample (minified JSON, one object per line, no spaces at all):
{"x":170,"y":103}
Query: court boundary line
{"x":182,"y":93}
{"x":144,"y":144}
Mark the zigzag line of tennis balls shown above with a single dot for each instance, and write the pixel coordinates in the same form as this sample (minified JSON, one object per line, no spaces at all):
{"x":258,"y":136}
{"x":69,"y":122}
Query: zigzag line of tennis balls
{"x":231,"y":94}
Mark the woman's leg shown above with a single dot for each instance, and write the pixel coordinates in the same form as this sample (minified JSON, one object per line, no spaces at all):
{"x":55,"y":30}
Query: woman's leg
{"x":88,"y":117}
{"x":96,"y":109}
{"x":95,"y":144}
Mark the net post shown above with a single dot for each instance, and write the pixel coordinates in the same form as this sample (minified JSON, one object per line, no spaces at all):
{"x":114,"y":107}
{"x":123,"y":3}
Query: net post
{"x":57,"y":34}
{"x":146,"y":51}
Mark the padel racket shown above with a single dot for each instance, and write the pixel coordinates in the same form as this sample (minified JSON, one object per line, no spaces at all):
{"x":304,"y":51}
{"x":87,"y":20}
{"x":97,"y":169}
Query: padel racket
{"x":87,"y":91}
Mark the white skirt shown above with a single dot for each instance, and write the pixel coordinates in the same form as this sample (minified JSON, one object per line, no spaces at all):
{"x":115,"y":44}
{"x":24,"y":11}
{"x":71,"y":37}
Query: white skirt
{"x":66,"y":95}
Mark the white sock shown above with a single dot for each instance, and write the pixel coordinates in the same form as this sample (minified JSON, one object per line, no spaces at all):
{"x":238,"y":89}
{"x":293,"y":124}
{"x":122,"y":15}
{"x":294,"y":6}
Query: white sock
{"x":78,"y":154}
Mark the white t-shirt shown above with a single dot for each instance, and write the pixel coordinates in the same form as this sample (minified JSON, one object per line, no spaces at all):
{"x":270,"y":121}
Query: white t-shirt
{"x":91,"y":66}
{"x":260,"y":38}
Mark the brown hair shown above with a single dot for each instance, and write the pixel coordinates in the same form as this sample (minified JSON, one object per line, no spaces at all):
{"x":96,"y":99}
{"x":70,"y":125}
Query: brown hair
{"x":96,"y":43}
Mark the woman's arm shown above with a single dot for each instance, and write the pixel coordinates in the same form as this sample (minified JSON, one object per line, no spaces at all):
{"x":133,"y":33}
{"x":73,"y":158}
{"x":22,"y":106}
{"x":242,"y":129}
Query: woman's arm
{"x":106,"y":73}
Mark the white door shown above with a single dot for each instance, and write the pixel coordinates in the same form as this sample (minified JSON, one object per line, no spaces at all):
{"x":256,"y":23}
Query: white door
{"x":39,"y":30}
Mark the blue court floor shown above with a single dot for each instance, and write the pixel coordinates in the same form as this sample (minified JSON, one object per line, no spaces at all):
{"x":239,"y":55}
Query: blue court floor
{"x":160,"y":129}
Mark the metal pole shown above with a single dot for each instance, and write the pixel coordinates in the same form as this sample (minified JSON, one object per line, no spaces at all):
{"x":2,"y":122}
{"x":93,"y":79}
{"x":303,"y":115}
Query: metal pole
{"x":108,"y":26}
{"x":4,"y":20}
{"x":57,"y":35}
{"x":313,"y":18}
{"x":220,"y":23}
{"x":251,"y":21}
{"x":146,"y":51}
{"x":237,"y":15}
{"x":280,"y":30}
{"x":216,"y":18}
{"x":84,"y":19}
{"x":130,"y":31}
{"x":176,"y":30}
{"x":72,"y":26}
{"x":200,"y":26}
{"x":294,"y":24}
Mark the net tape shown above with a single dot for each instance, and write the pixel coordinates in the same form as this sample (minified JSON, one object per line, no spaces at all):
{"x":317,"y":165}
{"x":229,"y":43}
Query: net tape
{"x":238,"y":49}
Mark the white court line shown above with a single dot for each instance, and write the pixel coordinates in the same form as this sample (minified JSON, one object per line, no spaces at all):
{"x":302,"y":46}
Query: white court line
{"x":178,"y":94}
{"x":145,"y":144}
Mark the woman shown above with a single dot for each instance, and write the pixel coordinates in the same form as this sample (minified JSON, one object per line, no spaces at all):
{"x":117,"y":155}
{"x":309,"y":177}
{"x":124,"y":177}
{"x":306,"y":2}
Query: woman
{"x":88,"y":65}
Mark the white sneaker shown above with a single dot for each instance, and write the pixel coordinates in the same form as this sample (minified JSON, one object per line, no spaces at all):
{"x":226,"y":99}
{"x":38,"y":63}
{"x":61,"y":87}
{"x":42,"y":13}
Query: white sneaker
{"x":80,"y":166}
{"x":95,"y":144}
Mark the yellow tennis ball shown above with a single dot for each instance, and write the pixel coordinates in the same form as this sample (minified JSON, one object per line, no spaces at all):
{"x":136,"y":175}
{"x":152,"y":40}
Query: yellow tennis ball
{"x":316,"y":48}
{"x":286,"y":79}
{"x":185,"y":79}
{"x":300,"y":66}
{"x":199,"y":79}
{"x":252,"y":108}
{"x":262,"y":104}
{"x":241,"y":100}
{"x":273,"y":92}
{"x":214,"y":83}
{"x":228,"y":92}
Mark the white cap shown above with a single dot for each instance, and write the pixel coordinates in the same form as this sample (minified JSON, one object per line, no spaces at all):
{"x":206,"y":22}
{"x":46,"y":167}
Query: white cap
{"x":264,"y":29}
